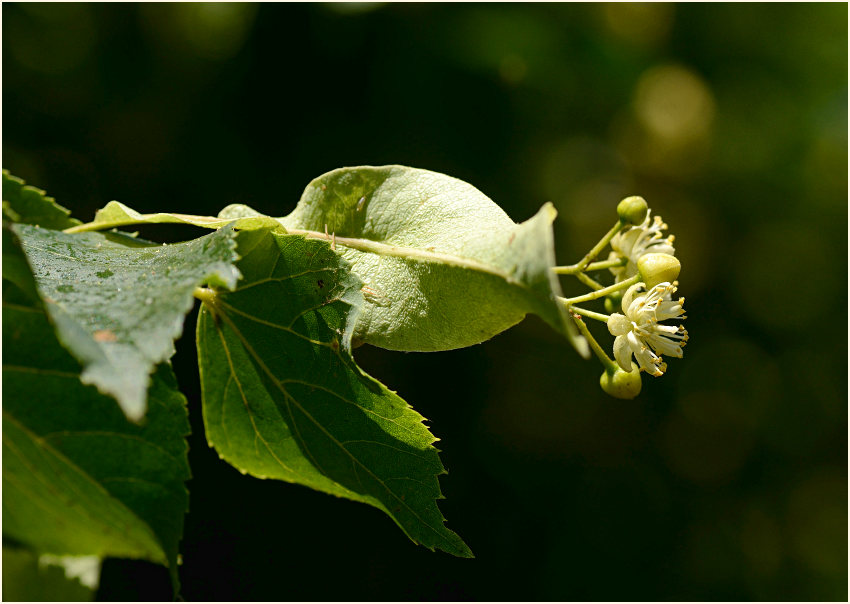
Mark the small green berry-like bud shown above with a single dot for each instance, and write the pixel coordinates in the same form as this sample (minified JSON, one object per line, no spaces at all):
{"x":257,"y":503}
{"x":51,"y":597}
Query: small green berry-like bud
{"x":621,"y":384}
{"x":657,"y":268}
{"x":613,"y":302}
{"x":632,"y":210}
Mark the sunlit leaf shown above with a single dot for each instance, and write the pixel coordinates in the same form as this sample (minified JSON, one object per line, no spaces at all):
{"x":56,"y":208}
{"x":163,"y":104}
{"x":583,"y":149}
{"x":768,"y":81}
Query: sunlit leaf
{"x":119,"y":304}
{"x":284,"y":399}
{"x":443,"y":266}
{"x":116,"y":214}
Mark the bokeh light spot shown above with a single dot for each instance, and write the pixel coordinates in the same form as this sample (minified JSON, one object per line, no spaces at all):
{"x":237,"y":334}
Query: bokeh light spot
{"x":640,"y":23}
{"x":208,"y":30}
{"x":674,"y":104}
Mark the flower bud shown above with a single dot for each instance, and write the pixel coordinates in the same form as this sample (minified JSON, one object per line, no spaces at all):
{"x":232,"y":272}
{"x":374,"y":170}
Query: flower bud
{"x":657,"y":268}
{"x":613,"y":302}
{"x":621,"y":384}
{"x":632,"y":210}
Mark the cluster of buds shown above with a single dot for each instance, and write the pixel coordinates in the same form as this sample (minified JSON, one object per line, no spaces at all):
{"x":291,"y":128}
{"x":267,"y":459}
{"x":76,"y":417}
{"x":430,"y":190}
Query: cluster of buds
{"x":645,"y":268}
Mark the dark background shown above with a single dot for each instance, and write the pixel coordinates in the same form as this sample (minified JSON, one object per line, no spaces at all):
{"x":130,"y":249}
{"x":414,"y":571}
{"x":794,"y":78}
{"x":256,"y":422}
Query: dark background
{"x":727,"y":477}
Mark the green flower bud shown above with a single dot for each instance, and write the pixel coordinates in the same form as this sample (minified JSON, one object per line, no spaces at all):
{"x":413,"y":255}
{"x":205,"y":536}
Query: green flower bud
{"x":613,"y":302}
{"x":657,"y":268}
{"x":632,"y":210}
{"x":621,"y":384}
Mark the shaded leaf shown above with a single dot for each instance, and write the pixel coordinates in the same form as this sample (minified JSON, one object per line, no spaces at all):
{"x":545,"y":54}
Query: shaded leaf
{"x":284,"y":399}
{"x":118,"y":308}
{"x":444,"y":267}
{"x":18,"y":283}
{"x":27,"y":204}
{"x":78,"y":477}
{"x":28,"y":579}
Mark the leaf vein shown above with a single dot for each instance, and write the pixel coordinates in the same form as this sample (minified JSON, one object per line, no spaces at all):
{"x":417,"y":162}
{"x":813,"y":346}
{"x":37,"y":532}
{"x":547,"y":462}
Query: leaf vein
{"x":315,"y":422}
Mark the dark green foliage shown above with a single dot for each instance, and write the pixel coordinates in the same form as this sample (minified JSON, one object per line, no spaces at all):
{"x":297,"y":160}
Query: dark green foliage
{"x":78,"y":477}
{"x":29,"y":205}
{"x":119,"y":303}
{"x":284,"y":399}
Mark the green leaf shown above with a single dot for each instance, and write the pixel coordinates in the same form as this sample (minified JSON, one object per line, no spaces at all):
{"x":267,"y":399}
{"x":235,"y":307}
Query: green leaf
{"x":29,"y":205}
{"x":78,"y":477}
{"x":119,"y":304}
{"x":284,"y":399}
{"x":18,"y":281}
{"x":115,"y":214}
{"x":444,"y":267}
{"x":26,"y":578}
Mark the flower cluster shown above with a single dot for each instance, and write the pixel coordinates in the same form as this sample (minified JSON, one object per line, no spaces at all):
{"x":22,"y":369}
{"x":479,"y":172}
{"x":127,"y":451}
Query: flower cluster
{"x":643,"y":262}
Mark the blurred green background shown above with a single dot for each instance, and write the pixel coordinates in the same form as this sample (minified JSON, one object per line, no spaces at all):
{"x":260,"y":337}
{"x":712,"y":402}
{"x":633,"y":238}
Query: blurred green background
{"x":725,"y":480}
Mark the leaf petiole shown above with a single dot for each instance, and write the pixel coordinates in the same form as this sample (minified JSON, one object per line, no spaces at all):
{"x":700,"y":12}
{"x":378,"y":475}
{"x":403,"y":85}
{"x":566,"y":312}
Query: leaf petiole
{"x":205,"y":295}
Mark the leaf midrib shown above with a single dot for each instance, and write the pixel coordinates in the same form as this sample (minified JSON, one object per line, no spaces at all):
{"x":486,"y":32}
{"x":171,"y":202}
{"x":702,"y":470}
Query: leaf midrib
{"x":407,"y":253}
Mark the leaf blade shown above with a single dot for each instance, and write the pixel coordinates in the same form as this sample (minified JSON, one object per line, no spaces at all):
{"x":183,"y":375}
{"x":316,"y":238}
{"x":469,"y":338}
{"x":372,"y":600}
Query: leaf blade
{"x":117,"y":308}
{"x":30,"y":205}
{"x":284,"y":399}
{"x":26,"y":578}
{"x":443,"y":265}
{"x":79,"y":478}
{"x":116,"y":214}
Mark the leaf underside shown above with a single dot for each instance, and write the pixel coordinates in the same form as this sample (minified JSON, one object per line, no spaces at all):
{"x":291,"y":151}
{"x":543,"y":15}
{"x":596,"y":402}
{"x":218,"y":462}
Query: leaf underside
{"x":119,"y":304}
{"x":284,"y":399}
{"x":444,"y":267}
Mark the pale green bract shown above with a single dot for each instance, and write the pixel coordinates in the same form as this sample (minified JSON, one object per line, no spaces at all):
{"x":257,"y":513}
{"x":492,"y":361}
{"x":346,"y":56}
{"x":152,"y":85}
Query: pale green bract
{"x":443,"y":266}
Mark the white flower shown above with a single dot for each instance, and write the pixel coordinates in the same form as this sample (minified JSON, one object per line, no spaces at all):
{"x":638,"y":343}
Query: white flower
{"x":634,"y":242}
{"x":639,"y":332}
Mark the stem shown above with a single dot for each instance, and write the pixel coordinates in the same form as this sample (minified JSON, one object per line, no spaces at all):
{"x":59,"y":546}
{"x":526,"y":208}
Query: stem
{"x":590,"y":314}
{"x":591,"y":283}
{"x":572,"y":269}
{"x":594,"y":345}
{"x":603,"y":264}
{"x":601,"y":293}
{"x":594,"y":251}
